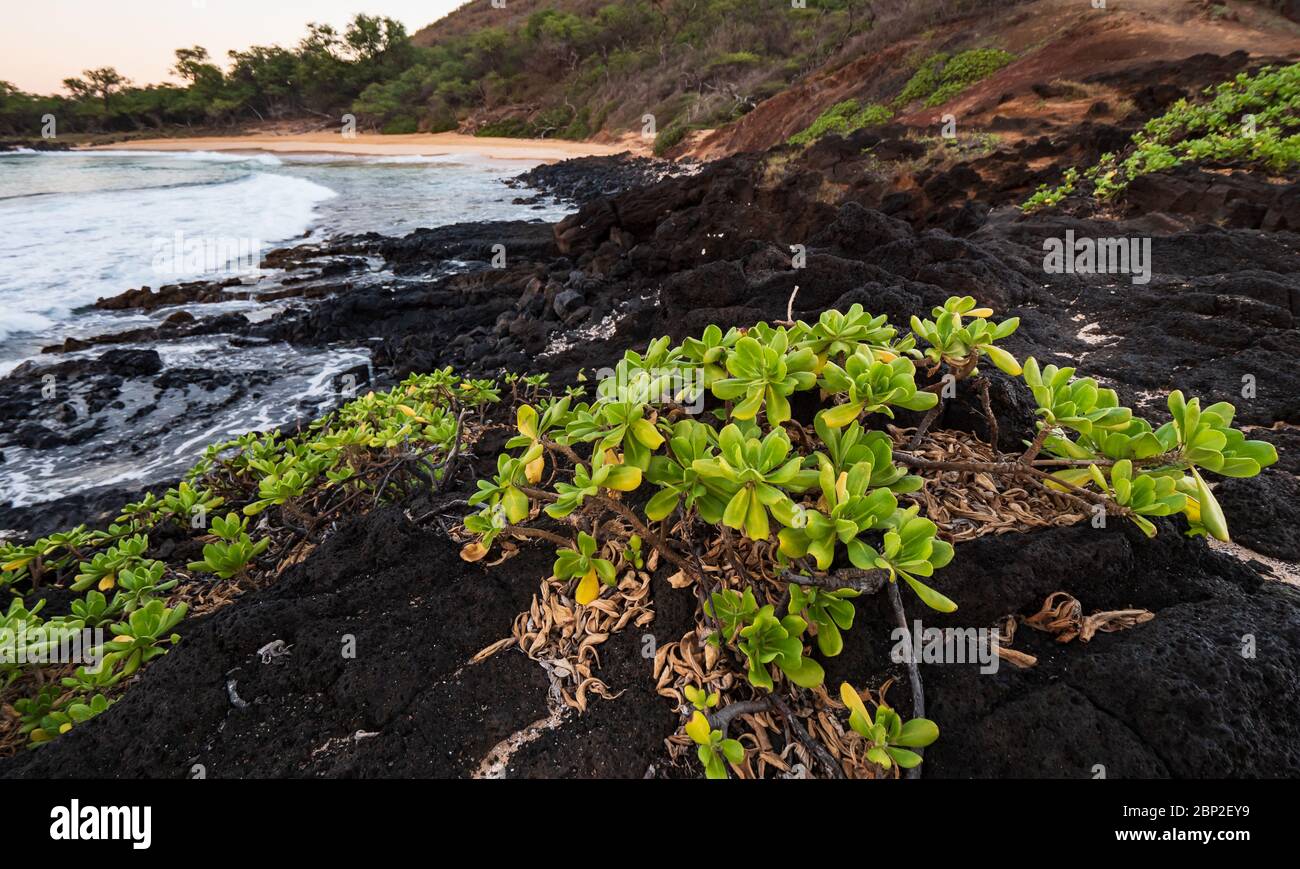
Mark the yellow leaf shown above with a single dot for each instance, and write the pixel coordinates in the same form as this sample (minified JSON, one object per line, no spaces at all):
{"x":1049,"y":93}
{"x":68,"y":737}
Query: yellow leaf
{"x":533,"y":470}
{"x":406,"y":410}
{"x":883,"y":355}
{"x":526,"y":421}
{"x":853,"y":700}
{"x":841,"y":415}
{"x":980,"y":312}
{"x":698,"y":728}
{"x":18,"y":564}
{"x":588,"y":589}
{"x":108,"y":582}
{"x":623,"y":478}
{"x":473,"y":552}
{"x":65,"y":727}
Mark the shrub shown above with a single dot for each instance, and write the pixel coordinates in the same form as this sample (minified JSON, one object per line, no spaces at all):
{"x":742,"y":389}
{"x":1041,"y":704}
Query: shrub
{"x":941,"y":77}
{"x":816,"y":506}
{"x":1250,"y":120}
{"x":400,"y":126}
{"x":966,"y":69}
{"x":669,"y":137}
{"x":842,"y":119}
{"x":355,"y":452}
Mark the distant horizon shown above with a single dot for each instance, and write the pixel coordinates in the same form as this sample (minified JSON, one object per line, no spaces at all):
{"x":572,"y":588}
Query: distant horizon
{"x":43,"y":45}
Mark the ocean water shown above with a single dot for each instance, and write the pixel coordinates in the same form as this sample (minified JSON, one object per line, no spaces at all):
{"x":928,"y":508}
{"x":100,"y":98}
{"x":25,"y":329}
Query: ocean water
{"x":75,"y":227}
{"x":79,"y":226}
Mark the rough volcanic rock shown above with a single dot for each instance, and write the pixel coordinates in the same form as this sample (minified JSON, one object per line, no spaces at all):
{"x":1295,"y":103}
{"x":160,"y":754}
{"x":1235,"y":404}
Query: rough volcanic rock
{"x":1161,"y":699}
{"x":406,"y":705}
{"x":1236,"y":200}
{"x":1164,"y":699}
{"x":583,"y":179}
{"x":1264,"y":512}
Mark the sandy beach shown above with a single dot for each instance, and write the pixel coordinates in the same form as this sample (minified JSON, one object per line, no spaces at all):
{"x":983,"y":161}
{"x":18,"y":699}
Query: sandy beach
{"x":375,"y":145}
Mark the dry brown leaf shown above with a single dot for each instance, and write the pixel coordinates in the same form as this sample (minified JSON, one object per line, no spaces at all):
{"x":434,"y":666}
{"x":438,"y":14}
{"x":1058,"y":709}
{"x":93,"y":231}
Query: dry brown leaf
{"x":1023,"y":660}
{"x":493,"y":649}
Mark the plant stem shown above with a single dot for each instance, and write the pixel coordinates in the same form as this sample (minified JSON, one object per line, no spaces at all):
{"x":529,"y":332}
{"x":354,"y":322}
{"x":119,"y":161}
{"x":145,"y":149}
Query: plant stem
{"x":801,"y":733}
{"x":913,"y":671}
{"x":1015,"y":469}
{"x":865,"y":581}
{"x":449,"y":466}
{"x":721,"y":720}
{"x":926,"y":421}
{"x":1037,"y":445}
{"x":538,"y":534}
{"x":644,"y":530}
{"x":989,"y":418}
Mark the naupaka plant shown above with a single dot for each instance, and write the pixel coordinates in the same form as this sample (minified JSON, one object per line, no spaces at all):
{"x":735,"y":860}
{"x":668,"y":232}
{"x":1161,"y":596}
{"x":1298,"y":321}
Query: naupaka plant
{"x":817,"y":488}
{"x":618,"y":425}
{"x":581,"y":563}
{"x":768,"y":640}
{"x":681,"y":484}
{"x":829,"y":611}
{"x":836,"y":336}
{"x":961,"y":332}
{"x":1141,"y":470}
{"x":714,"y":750}
{"x":762,"y":472}
{"x":299,"y":485}
{"x":763,"y":376}
{"x":847,"y":509}
{"x":889,"y":738}
{"x":233,"y":551}
{"x":872,"y":384}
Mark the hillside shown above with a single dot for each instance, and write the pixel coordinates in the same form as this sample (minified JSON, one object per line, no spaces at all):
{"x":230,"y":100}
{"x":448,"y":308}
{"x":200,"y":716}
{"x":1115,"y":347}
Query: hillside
{"x":732,"y":75}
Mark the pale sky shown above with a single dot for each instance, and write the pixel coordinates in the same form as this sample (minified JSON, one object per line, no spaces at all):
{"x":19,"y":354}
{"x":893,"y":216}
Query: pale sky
{"x":42,"y":42}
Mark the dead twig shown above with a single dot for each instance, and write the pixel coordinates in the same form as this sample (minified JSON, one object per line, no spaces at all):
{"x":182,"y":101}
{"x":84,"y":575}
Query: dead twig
{"x":801,"y":733}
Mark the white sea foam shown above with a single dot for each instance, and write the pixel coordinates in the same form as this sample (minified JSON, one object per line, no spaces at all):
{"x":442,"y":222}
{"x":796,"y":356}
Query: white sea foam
{"x":63,"y":251}
{"x":200,"y":156}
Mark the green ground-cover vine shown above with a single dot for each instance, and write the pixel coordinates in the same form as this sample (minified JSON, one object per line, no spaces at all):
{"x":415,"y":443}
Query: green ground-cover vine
{"x":1250,"y":120}
{"x":274,"y":490}
{"x":940,"y":77}
{"x":841,"y":119}
{"x":785,"y":450}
